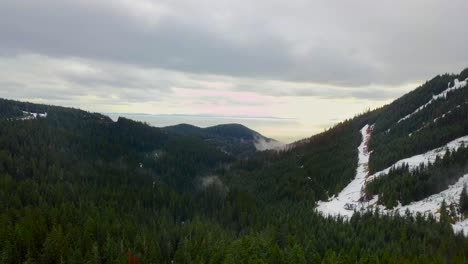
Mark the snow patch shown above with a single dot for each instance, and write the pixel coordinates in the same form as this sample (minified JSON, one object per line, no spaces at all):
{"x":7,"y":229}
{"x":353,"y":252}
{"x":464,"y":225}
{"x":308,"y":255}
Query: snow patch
{"x":461,"y":227}
{"x":432,"y":203}
{"x":32,"y":115}
{"x":457,"y":85}
{"x":426,"y":158}
{"x":348,"y":199}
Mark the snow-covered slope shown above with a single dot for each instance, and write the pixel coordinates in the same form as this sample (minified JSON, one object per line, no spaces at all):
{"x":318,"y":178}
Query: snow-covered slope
{"x":461,"y":226}
{"x":425,"y":158}
{"x":456,"y":85}
{"x":432,"y":203}
{"x":344,"y":203}
{"x":349,"y":199}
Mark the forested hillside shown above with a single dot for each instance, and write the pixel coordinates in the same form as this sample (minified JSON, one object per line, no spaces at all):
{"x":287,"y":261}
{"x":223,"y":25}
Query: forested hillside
{"x":234,"y":139}
{"x":397,"y":136}
{"x":76,"y":187}
{"x":416,"y":156}
{"x":310,"y":171}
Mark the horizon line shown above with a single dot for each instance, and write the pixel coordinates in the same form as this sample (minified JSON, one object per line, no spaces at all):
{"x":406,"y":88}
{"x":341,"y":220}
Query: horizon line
{"x":207,"y":115}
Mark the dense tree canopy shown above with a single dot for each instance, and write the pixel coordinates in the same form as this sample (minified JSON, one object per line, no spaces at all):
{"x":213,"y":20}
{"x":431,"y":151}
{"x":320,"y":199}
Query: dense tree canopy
{"x":76,"y":187}
{"x":441,"y":121}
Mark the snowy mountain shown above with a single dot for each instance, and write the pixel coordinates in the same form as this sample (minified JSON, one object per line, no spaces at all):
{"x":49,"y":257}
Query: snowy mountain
{"x":416,"y":163}
{"x":352,"y":197}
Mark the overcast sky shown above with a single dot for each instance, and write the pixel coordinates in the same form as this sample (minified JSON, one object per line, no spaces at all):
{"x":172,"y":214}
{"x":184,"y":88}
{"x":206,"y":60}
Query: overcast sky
{"x":312,"y":62}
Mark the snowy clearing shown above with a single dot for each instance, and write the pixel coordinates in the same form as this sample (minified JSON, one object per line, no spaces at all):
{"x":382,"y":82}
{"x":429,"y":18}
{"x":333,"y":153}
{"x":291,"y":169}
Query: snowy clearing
{"x":428,"y":157}
{"x":457,"y":85}
{"x":31,"y":115}
{"x":348,"y":199}
{"x":432,"y":203}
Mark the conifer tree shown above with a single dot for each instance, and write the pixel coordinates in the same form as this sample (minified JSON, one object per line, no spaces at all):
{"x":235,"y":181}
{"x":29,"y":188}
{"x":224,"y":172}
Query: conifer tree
{"x":444,"y":215}
{"x":464,"y":200}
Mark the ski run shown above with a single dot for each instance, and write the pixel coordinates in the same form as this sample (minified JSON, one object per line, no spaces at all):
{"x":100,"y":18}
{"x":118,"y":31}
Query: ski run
{"x":348,"y":200}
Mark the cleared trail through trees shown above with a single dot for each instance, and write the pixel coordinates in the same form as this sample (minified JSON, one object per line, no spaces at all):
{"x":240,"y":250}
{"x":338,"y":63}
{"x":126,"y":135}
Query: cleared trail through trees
{"x":348,"y":199}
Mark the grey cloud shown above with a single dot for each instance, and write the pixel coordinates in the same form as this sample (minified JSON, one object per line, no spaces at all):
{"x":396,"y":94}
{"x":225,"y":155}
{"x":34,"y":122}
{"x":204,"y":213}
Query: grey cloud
{"x":40,"y":77}
{"x":351,"y":44}
{"x":370,"y":93}
{"x":65,"y":29}
{"x":19,"y":90}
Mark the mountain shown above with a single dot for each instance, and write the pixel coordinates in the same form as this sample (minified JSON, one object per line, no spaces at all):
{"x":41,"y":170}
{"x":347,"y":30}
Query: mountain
{"x":386,"y":186}
{"x":232,"y":138}
{"x":410,"y":154}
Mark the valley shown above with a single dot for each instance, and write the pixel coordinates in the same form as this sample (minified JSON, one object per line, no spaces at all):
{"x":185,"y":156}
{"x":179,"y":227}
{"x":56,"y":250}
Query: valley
{"x":387,"y":186}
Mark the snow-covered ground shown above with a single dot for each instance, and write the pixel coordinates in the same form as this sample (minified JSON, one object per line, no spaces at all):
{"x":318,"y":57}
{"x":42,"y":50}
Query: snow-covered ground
{"x":461,"y":226}
{"x":31,"y":115}
{"x":426,"y":158}
{"x":351,"y":194}
{"x":456,"y":85}
{"x":432,"y":203}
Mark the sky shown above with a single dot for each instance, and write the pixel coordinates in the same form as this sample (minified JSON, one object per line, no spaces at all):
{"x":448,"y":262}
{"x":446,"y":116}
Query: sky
{"x":288,"y":69}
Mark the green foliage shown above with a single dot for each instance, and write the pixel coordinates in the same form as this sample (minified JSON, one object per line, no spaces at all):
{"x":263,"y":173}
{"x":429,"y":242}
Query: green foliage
{"x":231,"y":138}
{"x":313,"y":170}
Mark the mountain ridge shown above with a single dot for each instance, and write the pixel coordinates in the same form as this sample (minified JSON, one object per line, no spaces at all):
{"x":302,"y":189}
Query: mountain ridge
{"x":230,"y":133}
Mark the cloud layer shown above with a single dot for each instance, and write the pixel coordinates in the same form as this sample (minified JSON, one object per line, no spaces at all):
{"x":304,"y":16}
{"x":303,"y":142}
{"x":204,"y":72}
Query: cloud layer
{"x":225,"y":57}
{"x":346,"y":43}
